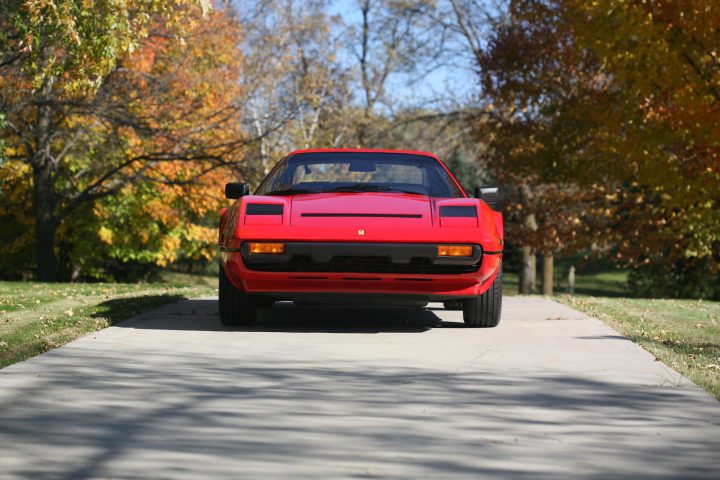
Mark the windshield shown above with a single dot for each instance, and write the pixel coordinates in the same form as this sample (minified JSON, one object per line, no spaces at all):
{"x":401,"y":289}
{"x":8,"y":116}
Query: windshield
{"x":321,"y":172}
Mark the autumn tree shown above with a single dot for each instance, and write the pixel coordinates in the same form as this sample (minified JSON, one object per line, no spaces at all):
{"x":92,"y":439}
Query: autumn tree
{"x":391,"y":39}
{"x":661,"y":133}
{"x":165,"y":114}
{"x":187,"y":93}
{"x":524,"y":89}
{"x":62,"y":39}
{"x":317,"y":80}
{"x":621,"y":95}
{"x":298,"y":90}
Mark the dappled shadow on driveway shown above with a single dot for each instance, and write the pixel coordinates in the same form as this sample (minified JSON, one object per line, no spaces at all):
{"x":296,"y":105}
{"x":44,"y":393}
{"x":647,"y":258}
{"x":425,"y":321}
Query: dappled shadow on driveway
{"x":287,"y":317}
{"x":152,"y":413}
{"x":329,"y":392}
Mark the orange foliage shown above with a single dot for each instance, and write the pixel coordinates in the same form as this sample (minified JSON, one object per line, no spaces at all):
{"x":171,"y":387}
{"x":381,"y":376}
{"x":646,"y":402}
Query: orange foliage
{"x":135,"y":168}
{"x":184,"y":91}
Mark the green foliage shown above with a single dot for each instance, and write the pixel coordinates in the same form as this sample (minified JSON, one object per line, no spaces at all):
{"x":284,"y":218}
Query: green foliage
{"x":682,"y":278}
{"x":3,"y":125}
{"x":16,"y":239}
{"x":80,"y":40}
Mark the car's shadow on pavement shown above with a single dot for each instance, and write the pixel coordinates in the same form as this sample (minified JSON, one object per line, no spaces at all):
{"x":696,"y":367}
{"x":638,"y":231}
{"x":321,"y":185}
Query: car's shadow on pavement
{"x":202,"y":315}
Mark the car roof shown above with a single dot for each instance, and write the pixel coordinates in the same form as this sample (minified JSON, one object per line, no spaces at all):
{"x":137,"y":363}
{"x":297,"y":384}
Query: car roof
{"x":363,"y":150}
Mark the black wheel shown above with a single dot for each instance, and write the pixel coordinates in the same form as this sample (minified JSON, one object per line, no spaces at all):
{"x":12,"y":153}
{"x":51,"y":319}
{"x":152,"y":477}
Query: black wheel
{"x":483,"y":311}
{"x":453,"y":305}
{"x":234,"y":306}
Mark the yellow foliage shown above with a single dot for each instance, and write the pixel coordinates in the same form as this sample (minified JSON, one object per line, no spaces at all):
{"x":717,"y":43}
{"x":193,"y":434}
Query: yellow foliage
{"x":168,"y":253}
{"x":106,"y":235}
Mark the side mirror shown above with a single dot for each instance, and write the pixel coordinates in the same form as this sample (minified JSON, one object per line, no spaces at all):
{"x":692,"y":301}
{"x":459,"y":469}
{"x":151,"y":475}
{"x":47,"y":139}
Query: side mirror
{"x":489,"y":195}
{"x":234,"y":190}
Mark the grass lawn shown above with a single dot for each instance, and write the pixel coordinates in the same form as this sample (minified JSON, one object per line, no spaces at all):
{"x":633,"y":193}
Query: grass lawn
{"x":684,"y":334}
{"x":178,"y":279}
{"x":606,"y":284}
{"x":36,"y":317}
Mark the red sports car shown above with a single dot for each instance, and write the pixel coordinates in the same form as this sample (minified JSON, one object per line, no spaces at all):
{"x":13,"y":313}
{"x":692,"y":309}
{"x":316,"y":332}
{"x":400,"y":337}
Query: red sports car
{"x":379,"y":227}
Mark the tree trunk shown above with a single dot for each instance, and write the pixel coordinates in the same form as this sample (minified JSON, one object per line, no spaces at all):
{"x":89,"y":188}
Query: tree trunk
{"x":45,"y":251}
{"x":528,"y":268}
{"x":527,"y":271}
{"x":547,"y":280}
{"x":528,"y":258}
{"x":45,"y":224}
{"x":44,"y":198}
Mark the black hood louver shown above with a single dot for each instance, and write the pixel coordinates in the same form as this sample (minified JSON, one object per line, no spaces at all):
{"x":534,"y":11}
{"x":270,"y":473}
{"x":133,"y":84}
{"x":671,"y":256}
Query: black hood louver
{"x":459,"y":211}
{"x":264,"y":209}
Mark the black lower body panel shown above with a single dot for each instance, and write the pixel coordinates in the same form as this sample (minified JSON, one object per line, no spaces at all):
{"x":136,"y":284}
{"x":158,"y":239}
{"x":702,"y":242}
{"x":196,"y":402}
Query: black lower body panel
{"x":400,"y":258}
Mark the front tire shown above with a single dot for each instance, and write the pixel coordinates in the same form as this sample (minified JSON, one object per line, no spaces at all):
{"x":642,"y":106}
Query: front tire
{"x":234,"y":306}
{"x":483,"y":311}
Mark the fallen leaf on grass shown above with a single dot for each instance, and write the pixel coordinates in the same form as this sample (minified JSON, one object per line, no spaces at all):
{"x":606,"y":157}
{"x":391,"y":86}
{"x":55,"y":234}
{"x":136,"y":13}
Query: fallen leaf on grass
{"x":712,"y":366}
{"x":69,"y":313}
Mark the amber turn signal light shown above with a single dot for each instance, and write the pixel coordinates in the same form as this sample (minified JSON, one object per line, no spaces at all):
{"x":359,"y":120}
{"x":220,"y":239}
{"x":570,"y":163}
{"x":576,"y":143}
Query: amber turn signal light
{"x":455,"y":251}
{"x":277,"y":248}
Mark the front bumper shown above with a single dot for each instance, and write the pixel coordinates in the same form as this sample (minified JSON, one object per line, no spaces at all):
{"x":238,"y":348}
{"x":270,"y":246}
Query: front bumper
{"x":361,"y":268}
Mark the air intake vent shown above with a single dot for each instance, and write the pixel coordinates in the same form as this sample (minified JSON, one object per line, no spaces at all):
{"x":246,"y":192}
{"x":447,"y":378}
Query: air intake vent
{"x":264,"y":209}
{"x":458,"y":211}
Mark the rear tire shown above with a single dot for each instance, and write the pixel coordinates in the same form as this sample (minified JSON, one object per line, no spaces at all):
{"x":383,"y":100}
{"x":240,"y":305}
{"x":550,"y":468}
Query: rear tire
{"x":234,"y":306}
{"x":483,"y":311}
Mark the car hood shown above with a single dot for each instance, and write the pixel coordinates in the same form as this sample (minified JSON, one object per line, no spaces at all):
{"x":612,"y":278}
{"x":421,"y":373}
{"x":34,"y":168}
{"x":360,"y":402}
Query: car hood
{"x":361,"y":209}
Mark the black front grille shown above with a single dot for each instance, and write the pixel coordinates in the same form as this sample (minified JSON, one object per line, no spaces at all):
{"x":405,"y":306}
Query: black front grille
{"x":358,"y":264}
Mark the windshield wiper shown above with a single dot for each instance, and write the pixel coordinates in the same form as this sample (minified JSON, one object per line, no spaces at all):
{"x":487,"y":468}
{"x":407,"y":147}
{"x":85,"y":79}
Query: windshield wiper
{"x":364,"y":187}
{"x":292,"y":191}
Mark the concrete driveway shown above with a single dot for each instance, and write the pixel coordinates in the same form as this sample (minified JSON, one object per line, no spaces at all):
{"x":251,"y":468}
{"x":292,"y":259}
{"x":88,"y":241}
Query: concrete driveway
{"x":343,"y":393}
